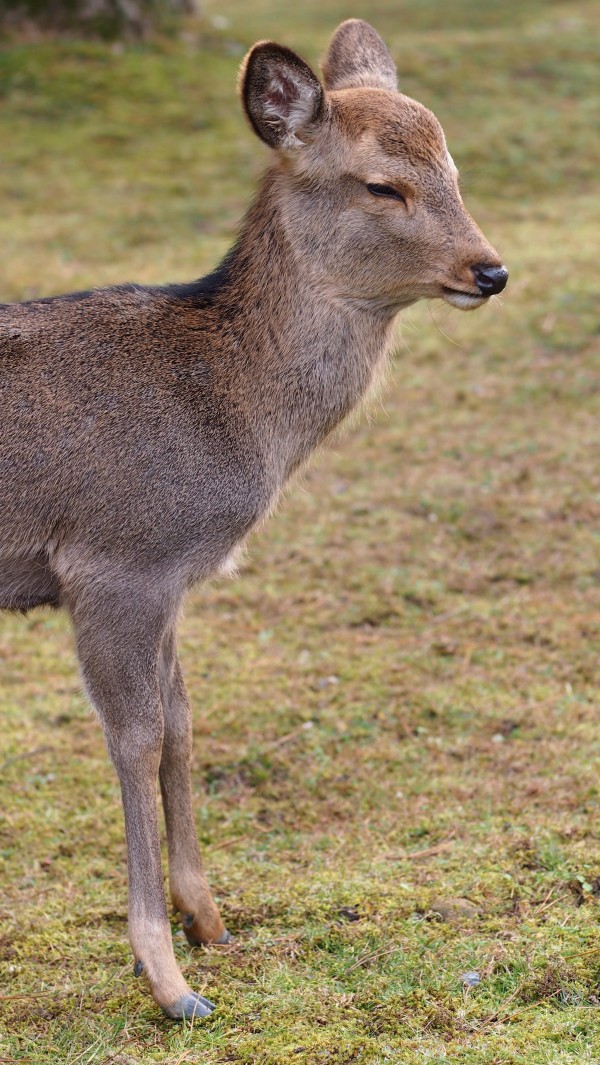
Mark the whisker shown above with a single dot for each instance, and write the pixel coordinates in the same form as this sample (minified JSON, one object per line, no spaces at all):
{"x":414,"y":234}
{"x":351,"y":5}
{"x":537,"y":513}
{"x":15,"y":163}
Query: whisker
{"x":440,"y":330}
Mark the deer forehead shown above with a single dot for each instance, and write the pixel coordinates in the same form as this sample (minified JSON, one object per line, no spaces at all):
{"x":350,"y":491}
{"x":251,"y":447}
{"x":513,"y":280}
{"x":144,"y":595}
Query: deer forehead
{"x":385,"y":128}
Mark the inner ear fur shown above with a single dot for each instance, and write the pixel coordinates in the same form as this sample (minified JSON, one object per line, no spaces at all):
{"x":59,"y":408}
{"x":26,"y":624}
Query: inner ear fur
{"x":358,"y":58}
{"x":282,"y":98}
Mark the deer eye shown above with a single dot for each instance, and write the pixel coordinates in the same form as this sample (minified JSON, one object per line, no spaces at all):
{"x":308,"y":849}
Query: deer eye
{"x":385,"y":190}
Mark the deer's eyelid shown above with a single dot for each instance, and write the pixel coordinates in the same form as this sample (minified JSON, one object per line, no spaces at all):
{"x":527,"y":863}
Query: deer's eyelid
{"x":380,"y":188}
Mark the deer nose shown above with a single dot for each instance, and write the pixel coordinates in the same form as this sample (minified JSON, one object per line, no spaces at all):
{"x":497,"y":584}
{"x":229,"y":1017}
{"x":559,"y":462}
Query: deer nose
{"x":490,"y":279}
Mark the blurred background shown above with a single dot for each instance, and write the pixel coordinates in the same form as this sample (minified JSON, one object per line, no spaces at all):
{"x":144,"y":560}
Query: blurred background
{"x":396,"y":705}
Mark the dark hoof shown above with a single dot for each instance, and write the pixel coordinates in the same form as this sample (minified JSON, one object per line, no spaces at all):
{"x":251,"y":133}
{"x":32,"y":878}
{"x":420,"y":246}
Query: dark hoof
{"x":189,"y":1006}
{"x":188,"y":923}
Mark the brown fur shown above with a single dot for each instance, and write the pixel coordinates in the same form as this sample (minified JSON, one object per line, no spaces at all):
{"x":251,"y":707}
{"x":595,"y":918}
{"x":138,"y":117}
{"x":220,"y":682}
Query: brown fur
{"x":145,"y":431}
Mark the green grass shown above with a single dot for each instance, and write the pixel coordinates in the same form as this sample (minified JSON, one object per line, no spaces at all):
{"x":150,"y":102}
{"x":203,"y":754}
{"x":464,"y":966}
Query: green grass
{"x":396,"y":705}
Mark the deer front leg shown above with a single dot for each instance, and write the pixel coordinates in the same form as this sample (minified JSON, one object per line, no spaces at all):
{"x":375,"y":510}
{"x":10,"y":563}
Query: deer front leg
{"x":119,"y":659}
{"x":190,"y":892}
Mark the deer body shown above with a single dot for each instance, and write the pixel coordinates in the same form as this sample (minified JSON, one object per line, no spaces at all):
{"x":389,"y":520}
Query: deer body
{"x":147,"y":430}
{"x":208,"y":396}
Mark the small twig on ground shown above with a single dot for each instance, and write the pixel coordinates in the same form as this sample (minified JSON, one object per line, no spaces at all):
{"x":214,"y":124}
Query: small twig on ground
{"x":546,"y":897}
{"x":182,"y":1057}
{"x":229,"y":842}
{"x":371,"y":957}
{"x":497,"y":1017}
{"x":440,"y":618}
{"x":583,"y":953}
{"x":552,"y":902}
{"x":427,"y":852}
{"x":304,"y":727}
{"x":118,"y":1052}
{"x":21,"y":757}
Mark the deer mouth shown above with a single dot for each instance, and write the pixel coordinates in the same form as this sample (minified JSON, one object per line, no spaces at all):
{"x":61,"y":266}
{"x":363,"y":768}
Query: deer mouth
{"x":465,"y":301}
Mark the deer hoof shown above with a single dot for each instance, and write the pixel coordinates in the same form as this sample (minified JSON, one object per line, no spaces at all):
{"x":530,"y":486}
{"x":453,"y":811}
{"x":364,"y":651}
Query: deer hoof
{"x":189,"y":1007}
{"x":196,"y":940}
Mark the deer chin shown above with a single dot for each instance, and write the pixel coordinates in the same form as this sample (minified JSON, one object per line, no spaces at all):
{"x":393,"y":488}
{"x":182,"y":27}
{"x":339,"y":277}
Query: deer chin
{"x":465,"y":301}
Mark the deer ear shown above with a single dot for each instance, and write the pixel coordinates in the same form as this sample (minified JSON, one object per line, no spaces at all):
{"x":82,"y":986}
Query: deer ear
{"x":282,"y":98}
{"x":358,"y":58}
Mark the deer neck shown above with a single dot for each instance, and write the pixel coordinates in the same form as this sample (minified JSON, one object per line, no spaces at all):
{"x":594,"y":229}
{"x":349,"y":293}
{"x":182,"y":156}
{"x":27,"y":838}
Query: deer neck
{"x":303,"y":357}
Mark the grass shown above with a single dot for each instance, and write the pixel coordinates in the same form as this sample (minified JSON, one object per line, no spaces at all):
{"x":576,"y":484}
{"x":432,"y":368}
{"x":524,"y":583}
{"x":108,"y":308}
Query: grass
{"x":396,"y":705}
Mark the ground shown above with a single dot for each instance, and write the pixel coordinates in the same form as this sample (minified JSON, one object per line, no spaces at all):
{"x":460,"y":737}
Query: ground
{"x":396,"y":704}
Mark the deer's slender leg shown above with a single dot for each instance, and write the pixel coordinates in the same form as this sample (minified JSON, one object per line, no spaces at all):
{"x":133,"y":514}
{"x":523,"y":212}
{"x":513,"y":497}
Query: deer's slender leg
{"x":189,"y":888}
{"x":118,"y":642}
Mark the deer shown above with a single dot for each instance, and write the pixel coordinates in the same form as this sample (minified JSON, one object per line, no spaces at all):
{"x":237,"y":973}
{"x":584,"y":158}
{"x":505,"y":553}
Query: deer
{"x":147,"y":430}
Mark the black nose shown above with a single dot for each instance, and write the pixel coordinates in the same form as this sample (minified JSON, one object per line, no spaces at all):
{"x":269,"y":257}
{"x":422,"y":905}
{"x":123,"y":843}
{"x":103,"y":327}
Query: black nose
{"x":490,"y":279}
